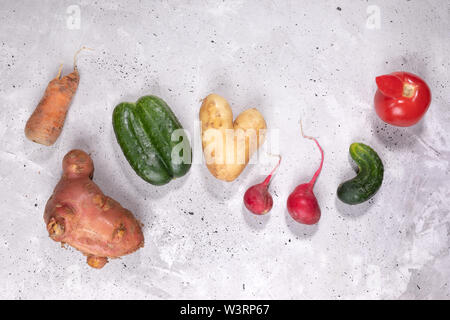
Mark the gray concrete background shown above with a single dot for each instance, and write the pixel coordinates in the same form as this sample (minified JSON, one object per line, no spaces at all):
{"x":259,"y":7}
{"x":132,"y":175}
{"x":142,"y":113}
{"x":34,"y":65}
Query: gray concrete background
{"x":314,"y":60}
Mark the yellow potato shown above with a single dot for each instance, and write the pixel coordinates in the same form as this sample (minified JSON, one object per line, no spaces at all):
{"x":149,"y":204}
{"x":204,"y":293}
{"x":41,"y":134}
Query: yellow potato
{"x":228,"y":145}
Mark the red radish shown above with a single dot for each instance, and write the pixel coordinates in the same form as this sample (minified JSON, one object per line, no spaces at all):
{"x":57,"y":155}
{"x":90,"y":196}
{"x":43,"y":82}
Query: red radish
{"x":257,"y":198}
{"x":302,"y":203}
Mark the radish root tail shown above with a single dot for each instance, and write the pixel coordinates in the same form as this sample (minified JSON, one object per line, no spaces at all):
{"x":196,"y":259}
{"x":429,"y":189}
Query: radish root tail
{"x":316,"y":174}
{"x":267,"y":180}
{"x":278,"y":164}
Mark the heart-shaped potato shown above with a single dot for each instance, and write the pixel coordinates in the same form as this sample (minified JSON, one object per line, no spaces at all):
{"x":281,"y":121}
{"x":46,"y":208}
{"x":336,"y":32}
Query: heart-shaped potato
{"x":228,"y":145}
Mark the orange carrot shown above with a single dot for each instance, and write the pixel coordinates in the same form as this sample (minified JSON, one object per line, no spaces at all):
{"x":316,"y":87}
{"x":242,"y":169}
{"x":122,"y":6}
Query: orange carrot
{"x":46,"y":123}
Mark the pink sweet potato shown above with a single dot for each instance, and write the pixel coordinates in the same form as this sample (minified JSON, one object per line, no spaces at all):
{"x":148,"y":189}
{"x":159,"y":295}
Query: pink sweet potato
{"x":79,"y":214}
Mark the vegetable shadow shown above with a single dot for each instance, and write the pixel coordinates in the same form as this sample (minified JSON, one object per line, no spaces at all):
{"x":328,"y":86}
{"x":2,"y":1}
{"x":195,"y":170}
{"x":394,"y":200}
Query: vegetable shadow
{"x":221,"y":190}
{"x":413,"y":62}
{"x":395,"y":138}
{"x":354,"y":211}
{"x":301,"y":231}
{"x":82,"y":144}
{"x":221,"y":84}
{"x":145,"y":189}
{"x":256,"y":222}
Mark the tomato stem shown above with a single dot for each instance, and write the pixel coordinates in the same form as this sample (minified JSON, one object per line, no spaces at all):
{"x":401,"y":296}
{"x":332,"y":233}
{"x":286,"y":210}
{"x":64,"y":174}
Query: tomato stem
{"x":408,"y":90}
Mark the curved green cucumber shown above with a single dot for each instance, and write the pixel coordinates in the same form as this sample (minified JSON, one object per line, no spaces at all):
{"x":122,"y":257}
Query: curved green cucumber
{"x":144,"y":131}
{"x":368,"y":179}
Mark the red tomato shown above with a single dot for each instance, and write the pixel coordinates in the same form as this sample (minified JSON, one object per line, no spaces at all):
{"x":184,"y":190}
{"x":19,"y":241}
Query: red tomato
{"x":402,"y":98}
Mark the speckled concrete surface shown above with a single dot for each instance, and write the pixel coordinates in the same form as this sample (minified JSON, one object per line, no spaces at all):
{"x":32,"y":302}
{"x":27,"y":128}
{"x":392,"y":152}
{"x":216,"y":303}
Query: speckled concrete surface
{"x":290,"y":59}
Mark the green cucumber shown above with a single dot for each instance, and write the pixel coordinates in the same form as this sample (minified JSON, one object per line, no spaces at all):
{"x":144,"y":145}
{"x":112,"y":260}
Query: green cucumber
{"x":368,"y":179}
{"x":145,"y":133}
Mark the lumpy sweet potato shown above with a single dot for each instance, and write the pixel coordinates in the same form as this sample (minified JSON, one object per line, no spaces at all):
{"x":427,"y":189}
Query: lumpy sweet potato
{"x":80,"y":215}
